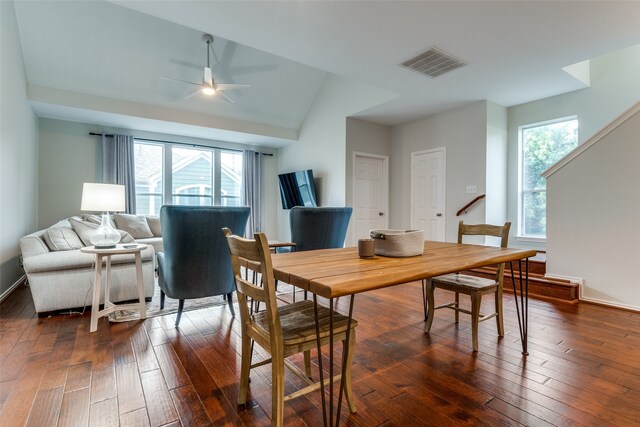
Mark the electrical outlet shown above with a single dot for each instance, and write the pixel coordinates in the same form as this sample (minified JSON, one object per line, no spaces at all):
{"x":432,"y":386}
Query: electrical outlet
{"x":472,"y":189}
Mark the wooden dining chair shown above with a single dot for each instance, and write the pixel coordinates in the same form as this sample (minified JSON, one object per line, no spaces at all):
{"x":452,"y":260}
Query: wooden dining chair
{"x":473,"y":286}
{"x":281,"y":331}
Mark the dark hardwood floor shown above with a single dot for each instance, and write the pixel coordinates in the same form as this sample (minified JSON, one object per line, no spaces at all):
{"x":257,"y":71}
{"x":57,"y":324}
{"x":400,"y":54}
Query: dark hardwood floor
{"x":583,"y":368}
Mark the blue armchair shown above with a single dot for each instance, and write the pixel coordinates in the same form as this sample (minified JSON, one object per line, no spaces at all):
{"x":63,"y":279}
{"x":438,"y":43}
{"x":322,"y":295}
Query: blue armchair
{"x":318,"y":228}
{"x":196,"y":262}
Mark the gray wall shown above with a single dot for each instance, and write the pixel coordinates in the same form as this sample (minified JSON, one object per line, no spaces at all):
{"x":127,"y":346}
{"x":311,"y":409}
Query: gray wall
{"x":363,"y":137}
{"x":18,"y":152}
{"x":463,"y":131}
{"x":70,"y":156}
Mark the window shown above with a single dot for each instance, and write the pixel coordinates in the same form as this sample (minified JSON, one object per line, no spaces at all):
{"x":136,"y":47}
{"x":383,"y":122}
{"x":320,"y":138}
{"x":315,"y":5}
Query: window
{"x":170,"y":174}
{"x":541,"y":145}
{"x":149,"y":160}
{"x":192,"y":176}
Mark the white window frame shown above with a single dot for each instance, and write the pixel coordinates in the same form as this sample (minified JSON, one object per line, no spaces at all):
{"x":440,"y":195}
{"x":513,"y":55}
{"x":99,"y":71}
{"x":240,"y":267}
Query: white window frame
{"x":161,"y":190}
{"x":216,"y":169}
{"x":520,"y":236}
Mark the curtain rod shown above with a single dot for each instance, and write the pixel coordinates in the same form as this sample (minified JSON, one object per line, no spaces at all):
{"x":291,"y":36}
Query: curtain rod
{"x":180,"y":143}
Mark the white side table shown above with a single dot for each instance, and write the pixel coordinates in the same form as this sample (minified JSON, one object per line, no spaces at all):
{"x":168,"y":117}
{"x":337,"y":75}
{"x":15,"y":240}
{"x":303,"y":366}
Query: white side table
{"x":110,"y":307}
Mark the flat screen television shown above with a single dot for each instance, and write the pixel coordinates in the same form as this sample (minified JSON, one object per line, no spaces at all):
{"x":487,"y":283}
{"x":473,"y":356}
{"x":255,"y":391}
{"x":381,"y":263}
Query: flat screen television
{"x":297,"y":189}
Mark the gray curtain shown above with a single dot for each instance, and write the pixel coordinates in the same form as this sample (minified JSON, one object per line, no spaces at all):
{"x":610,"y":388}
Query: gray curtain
{"x":118,"y":166}
{"x":252,"y":189}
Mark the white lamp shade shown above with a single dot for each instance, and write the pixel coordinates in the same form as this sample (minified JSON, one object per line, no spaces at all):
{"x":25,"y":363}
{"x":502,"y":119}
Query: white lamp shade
{"x":103,"y":197}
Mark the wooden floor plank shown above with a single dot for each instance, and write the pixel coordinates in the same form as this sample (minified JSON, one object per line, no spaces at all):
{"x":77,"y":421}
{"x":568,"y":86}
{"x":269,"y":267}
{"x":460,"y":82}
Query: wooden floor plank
{"x":130,"y":395}
{"x":189,"y":407}
{"x":104,"y":413}
{"x":137,"y":418}
{"x":103,"y":384}
{"x":46,"y":408}
{"x":75,"y":409}
{"x":171,"y":367}
{"x":156,"y":394}
{"x":143,"y":348}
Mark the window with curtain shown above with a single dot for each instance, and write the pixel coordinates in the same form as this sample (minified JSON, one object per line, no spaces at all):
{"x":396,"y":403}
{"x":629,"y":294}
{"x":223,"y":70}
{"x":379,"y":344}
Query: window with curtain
{"x":541,"y":145}
{"x":196,"y":176}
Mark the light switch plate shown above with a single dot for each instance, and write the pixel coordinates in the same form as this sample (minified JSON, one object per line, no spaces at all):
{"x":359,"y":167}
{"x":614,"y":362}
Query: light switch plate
{"x":472,"y":189}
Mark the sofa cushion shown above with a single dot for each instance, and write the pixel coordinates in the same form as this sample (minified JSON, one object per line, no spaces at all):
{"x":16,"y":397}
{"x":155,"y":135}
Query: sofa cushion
{"x":85,"y":229}
{"x":33,"y":244}
{"x":154,"y":225}
{"x":68,"y":260}
{"x":62,"y":239}
{"x":156,"y":242}
{"x":136,"y":225}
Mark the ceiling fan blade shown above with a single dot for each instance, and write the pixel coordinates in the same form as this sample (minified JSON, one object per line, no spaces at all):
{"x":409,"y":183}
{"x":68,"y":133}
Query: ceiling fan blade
{"x":226,"y":97}
{"x":181,"y":81}
{"x":225,"y":86}
{"x":193,"y":94}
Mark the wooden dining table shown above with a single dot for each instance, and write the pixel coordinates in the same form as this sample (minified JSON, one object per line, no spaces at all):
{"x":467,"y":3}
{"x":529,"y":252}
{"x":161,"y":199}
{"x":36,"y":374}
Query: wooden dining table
{"x":333,"y":273}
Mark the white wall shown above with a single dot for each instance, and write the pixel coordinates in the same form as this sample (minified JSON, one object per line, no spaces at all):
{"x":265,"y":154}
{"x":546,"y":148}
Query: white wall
{"x":463,"y":131}
{"x":18,"y":151}
{"x":363,"y":137}
{"x":615,"y":87}
{"x":70,"y":156}
{"x":496,"y":206}
{"x":322,"y":141}
{"x":593,"y":218}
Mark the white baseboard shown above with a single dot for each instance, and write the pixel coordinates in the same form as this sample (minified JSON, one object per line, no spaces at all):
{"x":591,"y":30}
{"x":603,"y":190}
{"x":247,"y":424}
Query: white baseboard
{"x":6,"y":293}
{"x":607,"y":303}
{"x":576,"y":280}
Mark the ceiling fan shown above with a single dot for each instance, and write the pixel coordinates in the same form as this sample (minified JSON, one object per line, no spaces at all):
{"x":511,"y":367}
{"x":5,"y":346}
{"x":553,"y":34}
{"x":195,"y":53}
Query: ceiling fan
{"x":209,"y":86}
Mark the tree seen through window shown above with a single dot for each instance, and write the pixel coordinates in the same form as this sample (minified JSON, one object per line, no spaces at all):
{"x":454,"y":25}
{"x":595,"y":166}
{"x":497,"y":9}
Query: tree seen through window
{"x":541,"y":147}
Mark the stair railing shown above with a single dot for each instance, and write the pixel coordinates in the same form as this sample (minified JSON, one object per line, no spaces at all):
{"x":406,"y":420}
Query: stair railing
{"x":471,"y":203}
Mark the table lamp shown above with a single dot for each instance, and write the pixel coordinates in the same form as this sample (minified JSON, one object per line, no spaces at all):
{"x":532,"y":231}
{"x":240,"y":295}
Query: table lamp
{"x":103,"y":198}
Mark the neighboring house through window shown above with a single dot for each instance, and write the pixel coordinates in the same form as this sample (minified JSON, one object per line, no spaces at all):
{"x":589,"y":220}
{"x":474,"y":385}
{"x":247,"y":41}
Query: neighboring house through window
{"x":541,"y":145}
{"x":195,"y":176}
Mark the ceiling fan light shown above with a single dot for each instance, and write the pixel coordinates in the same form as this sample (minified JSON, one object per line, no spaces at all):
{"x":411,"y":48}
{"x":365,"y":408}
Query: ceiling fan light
{"x":208,"y":90}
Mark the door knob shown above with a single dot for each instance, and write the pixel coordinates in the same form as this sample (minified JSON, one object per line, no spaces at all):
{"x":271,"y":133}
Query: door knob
{"x":380,"y":213}
{"x":438,"y":214}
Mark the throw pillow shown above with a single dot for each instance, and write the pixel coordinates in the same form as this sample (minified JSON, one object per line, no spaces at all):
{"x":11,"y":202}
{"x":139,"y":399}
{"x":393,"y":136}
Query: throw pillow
{"x":84,"y":229}
{"x":135,"y":225}
{"x":126,"y":237}
{"x":154,"y":225}
{"x":62,"y":239}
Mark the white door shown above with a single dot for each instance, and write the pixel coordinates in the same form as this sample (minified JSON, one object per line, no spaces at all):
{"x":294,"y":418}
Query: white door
{"x":428,"y":193}
{"x":370,"y":188}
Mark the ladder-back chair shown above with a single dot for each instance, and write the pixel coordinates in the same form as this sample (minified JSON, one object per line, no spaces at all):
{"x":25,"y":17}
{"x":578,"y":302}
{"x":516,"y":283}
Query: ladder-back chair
{"x":281,"y":331}
{"x":473,"y":286}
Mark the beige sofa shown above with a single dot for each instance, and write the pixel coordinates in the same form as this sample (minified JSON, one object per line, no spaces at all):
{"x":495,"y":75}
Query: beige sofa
{"x":61,"y":277}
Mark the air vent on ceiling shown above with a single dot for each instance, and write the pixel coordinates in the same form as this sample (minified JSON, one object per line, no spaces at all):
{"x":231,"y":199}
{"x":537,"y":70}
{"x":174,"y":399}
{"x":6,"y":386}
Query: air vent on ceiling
{"x":433,"y":62}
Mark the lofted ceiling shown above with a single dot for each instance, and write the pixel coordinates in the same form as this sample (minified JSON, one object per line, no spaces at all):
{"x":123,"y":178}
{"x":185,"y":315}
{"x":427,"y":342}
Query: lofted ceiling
{"x":515,"y":52}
